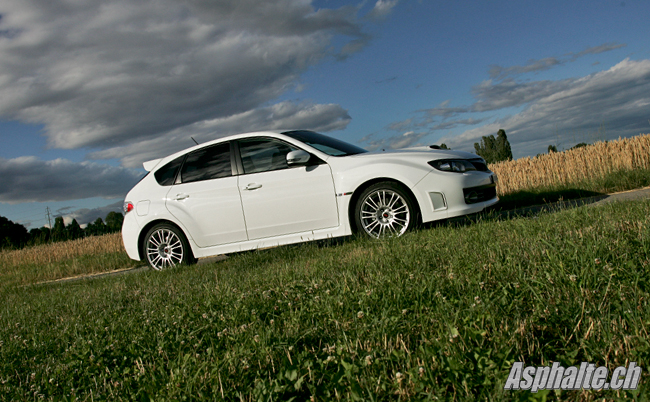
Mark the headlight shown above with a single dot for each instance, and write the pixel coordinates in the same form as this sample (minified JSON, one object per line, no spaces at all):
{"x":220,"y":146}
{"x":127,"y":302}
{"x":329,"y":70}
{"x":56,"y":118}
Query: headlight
{"x":453,"y":165}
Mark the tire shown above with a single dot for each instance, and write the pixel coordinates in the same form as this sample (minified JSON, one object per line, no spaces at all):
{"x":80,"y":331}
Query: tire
{"x":385,"y":209}
{"x":165,"y":246}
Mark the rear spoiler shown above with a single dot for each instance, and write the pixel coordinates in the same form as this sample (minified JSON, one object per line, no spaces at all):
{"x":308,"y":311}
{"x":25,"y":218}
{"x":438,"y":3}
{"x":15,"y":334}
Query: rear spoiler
{"x":148,"y":165}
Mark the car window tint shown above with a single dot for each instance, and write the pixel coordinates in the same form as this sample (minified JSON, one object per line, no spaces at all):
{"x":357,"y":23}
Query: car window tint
{"x":207,"y":163}
{"x":165,"y":175}
{"x":263,"y":155}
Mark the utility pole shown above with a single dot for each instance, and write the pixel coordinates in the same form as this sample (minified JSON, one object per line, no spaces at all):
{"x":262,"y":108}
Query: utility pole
{"x":49,"y":219}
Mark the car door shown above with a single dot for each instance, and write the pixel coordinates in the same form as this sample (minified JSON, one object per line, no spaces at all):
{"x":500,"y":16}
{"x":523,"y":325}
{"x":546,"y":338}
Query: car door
{"x":279,"y":199}
{"x":205,"y":197}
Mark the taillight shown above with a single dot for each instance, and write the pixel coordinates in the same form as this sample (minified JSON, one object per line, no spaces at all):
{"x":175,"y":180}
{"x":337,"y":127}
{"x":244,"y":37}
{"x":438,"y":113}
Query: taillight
{"x":128,"y":207}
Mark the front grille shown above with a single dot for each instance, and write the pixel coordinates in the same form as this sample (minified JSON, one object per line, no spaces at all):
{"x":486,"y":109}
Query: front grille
{"x":479,"y":165}
{"x":480,"y":193}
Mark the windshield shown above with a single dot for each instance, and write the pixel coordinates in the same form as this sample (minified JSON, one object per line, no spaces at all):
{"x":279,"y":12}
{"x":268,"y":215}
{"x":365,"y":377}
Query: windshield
{"x":323,"y":143}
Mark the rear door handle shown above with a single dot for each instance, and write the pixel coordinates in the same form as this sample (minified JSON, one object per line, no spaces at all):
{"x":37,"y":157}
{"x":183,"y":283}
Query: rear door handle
{"x":253,"y":186}
{"x":181,"y":196}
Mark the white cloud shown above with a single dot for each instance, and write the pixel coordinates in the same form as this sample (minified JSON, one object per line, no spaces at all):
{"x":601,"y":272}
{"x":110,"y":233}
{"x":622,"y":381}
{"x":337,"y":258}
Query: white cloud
{"x":382,"y":8}
{"x":29,"y":179}
{"x":600,"y":106}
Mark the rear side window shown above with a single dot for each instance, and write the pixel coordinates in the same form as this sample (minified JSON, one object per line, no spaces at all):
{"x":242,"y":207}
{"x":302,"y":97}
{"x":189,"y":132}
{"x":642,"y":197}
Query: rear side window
{"x":165,"y":175}
{"x":208,"y":163}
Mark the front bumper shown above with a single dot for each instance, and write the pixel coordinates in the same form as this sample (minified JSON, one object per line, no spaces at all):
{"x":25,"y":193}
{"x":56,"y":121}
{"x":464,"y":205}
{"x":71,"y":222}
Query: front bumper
{"x":443,"y":195}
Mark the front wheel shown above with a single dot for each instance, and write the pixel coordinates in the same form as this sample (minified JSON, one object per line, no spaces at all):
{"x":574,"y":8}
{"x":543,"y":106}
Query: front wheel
{"x":385,"y":209}
{"x":165,"y":246}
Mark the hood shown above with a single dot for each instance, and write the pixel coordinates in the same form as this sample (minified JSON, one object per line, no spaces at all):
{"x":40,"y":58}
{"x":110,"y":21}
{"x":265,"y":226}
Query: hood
{"x":421,"y":151}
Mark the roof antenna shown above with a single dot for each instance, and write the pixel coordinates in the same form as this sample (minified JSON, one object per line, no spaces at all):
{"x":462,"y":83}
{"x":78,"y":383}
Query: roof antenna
{"x":194,"y":140}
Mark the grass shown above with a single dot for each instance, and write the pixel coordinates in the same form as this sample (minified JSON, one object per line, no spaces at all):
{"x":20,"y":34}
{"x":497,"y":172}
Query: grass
{"x":63,"y":259}
{"x":437,"y":314}
{"x":610,"y":183}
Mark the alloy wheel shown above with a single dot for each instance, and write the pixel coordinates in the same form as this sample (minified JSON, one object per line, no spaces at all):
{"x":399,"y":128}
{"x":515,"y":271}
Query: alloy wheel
{"x":384,"y":213}
{"x":164,"y":249}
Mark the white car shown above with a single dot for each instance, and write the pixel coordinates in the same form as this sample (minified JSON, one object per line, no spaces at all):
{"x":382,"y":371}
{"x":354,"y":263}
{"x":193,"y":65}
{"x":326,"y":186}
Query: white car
{"x":265,"y":189}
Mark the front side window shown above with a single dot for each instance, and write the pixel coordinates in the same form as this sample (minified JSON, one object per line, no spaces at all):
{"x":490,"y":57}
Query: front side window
{"x":263,"y":154}
{"x":208,"y":163}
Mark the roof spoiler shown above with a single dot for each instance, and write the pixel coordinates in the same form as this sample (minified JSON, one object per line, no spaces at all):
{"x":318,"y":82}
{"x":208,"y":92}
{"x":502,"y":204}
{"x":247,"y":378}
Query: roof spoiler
{"x":148,"y":165}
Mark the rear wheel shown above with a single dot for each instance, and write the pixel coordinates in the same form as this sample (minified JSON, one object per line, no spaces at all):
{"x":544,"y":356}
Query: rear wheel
{"x":165,"y":246}
{"x":385,"y":209}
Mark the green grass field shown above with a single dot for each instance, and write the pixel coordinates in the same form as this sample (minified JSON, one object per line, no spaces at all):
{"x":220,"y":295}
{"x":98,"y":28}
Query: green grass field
{"x":439,"y":314}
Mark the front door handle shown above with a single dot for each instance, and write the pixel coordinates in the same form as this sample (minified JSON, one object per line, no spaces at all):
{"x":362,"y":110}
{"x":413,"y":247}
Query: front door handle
{"x":181,"y":196}
{"x":253,"y":186}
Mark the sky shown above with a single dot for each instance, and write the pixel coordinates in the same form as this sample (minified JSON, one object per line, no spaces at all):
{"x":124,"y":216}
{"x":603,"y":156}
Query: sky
{"x":91,"y":89}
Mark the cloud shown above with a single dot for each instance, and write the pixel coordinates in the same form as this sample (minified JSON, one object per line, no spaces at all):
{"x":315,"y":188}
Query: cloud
{"x":382,"y":8}
{"x":406,"y":140}
{"x":600,"y":106}
{"x":281,"y":116}
{"x":105,"y":74}
{"x":508,"y":93}
{"x":500,"y":73}
{"x":85,"y":216}
{"x":29,"y":179}
{"x":403,"y":140}
{"x":605,"y":47}
{"x":444,"y":110}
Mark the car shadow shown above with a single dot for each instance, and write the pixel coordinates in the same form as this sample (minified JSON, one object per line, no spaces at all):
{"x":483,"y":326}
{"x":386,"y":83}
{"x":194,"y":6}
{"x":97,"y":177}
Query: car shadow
{"x":526,"y":204}
{"x":521,"y":199}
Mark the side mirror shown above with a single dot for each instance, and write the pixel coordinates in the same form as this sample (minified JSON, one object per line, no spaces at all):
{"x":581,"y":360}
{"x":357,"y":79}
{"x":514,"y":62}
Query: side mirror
{"x":298,"y":157}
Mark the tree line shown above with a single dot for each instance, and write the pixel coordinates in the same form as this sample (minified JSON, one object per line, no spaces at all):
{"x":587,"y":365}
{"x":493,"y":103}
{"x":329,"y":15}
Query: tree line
{"x":14,"y":235}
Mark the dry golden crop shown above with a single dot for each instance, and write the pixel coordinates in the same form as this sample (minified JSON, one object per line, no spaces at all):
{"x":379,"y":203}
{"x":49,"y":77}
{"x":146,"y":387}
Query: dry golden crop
{"x":53,"y":252}
{"x":572,"y":166}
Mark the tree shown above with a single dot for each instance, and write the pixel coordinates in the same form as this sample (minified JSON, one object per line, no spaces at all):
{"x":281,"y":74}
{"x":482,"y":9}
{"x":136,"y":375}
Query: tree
{"x":12,"y":235}
{"x":39,"y":235}
{"x":96,"y":228}
{"x":552,"y":148}
{"x":74,"y":230}
{"x":504,"y":152}
{"x":443,"y":146}
{"x":494,"y":150}
{"x":58,"y":232}
{"x":114,"y":221}
{"x":580,"y":145}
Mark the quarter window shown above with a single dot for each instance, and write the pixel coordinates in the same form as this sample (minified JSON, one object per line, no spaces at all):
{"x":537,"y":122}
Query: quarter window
{"x":263,"y":154}
{"x":208,"y":163}
{"x":165,"y":175}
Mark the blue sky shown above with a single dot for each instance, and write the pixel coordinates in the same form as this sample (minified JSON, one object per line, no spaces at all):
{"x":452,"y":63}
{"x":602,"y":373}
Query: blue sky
{"x":89,"y":90}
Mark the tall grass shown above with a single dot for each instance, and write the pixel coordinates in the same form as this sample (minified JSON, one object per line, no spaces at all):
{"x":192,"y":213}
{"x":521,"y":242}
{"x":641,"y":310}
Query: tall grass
{"x":59,"y":251}
{"x":63,"y":259}
{"x":573,"y":167}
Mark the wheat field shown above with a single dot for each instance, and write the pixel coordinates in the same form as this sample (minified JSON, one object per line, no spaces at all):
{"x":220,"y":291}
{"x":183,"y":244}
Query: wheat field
{"x":573,"y":166}
{"x":60,"y":251}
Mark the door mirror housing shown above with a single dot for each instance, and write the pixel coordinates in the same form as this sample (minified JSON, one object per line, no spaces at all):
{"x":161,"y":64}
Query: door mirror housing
{"x":298,"y":157}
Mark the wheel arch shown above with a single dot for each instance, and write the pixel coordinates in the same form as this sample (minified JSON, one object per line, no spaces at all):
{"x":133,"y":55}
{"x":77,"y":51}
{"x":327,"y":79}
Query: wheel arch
{"x":145,"y":230}
{"x":357,"y":193}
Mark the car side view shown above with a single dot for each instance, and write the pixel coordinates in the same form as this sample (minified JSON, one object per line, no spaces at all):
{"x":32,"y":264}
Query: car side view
{"x":271,"y":188}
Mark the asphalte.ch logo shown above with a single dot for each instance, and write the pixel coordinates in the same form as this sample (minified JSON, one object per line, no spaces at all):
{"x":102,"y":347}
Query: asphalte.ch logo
{"x":587,"y":376}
